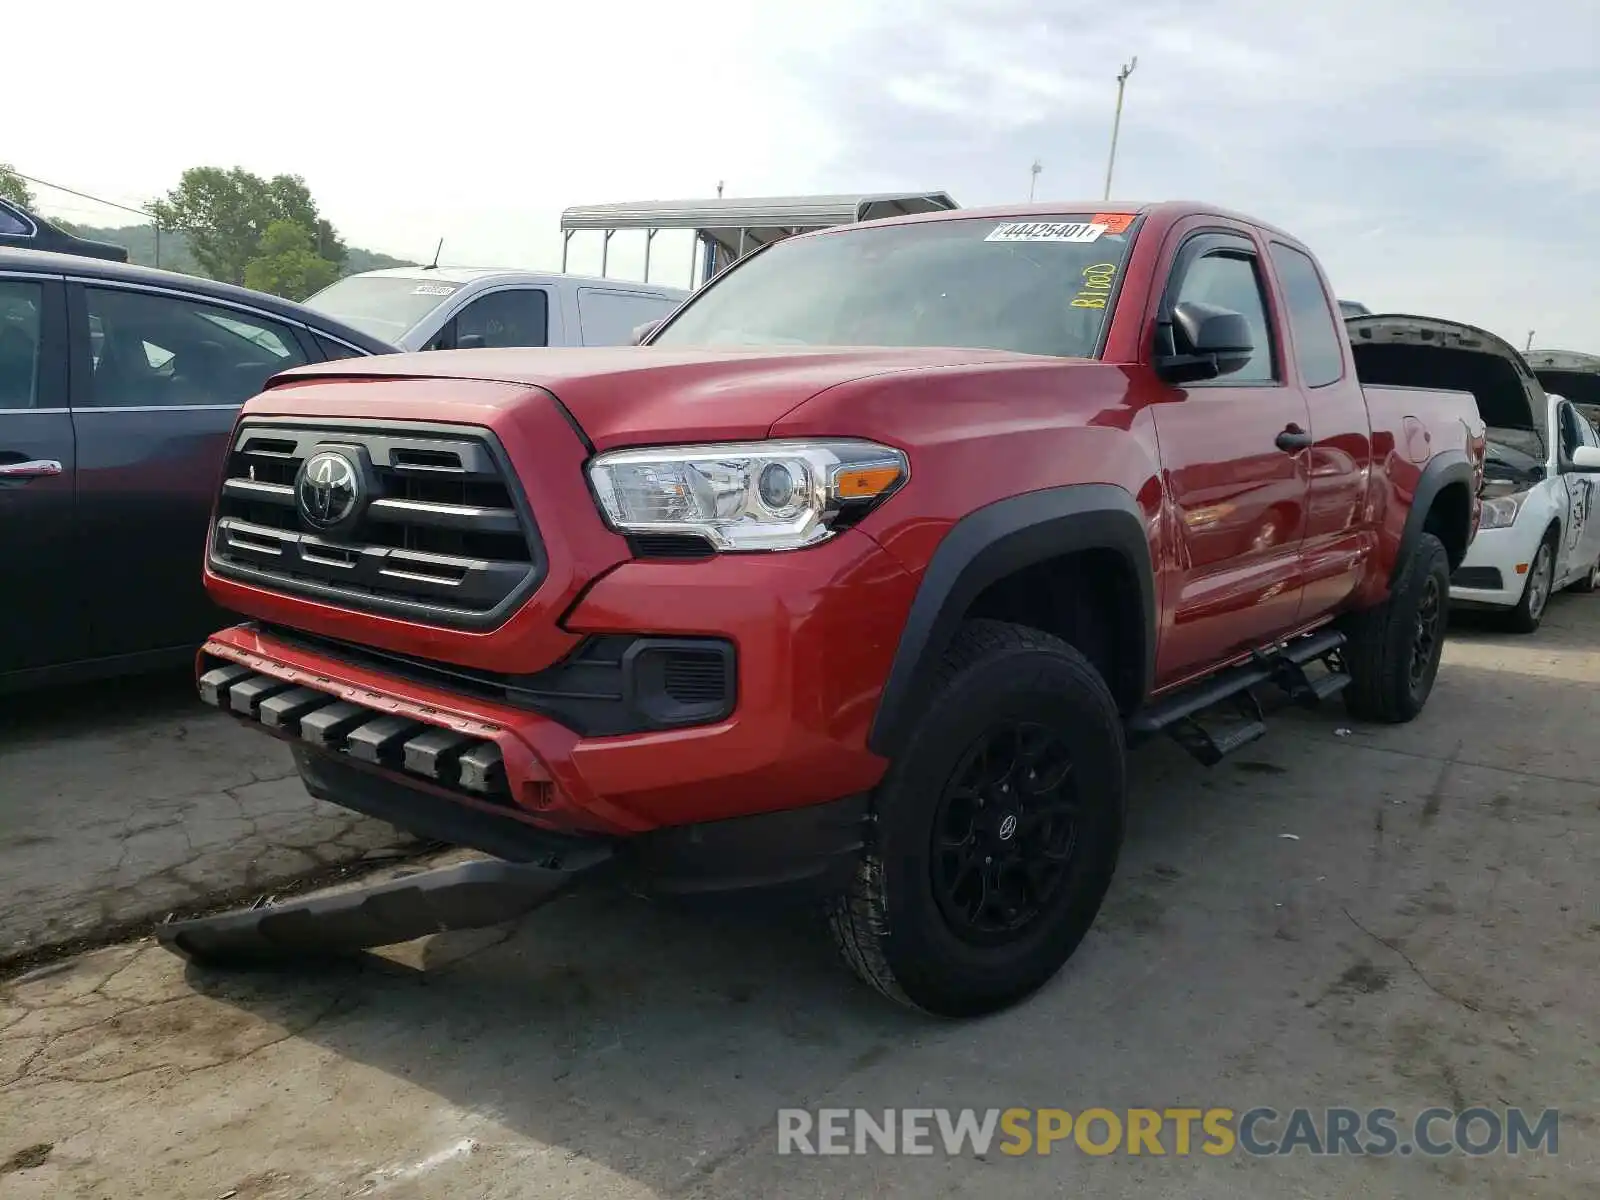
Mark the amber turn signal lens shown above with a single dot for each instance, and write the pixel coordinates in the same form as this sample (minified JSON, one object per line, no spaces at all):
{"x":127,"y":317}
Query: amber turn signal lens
{"x":866,"y":483}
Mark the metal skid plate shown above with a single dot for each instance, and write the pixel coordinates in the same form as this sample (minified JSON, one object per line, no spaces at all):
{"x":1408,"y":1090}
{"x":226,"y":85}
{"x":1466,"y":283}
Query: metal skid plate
{"x":469,"y":896}
{"x":441,"y":756}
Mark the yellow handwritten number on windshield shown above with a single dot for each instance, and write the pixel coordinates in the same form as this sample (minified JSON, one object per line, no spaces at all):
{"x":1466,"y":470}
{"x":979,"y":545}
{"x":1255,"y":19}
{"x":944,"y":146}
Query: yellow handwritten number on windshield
{"x":1097,"y":281}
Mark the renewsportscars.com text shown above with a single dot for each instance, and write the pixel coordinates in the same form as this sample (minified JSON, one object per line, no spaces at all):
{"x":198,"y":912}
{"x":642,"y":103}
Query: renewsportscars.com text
{"x":1432,"y":1132}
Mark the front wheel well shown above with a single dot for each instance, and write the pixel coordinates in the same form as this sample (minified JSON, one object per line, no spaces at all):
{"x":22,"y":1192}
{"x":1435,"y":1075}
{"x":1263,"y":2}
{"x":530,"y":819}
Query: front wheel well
{"x":1089,"y":599}
{"x":1450,"y":520}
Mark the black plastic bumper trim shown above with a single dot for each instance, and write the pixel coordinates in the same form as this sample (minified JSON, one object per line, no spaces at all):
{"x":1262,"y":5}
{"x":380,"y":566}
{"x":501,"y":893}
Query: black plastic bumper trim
{"x":610,"y":684}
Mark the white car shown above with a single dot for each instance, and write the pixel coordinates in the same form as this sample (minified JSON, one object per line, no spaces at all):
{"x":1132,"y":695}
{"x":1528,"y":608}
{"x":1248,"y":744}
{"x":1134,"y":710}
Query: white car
{"x":448,"y":308}
{"x":1536,"y":535}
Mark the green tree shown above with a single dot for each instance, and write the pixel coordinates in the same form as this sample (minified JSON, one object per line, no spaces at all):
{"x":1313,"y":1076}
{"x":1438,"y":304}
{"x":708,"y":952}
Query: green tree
{"x":14,"y":187}
{"x":227,"y":213}
{"x":287,"y":264}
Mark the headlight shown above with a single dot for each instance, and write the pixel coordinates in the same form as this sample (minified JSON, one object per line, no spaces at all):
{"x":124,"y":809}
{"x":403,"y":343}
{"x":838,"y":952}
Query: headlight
{"x":750,"y":495}
{"x":1501,"y":512}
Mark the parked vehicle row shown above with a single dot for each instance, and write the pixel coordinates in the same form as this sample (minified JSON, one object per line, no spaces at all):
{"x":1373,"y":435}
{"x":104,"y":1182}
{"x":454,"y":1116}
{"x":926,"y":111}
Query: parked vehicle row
{"x":858,"y":576}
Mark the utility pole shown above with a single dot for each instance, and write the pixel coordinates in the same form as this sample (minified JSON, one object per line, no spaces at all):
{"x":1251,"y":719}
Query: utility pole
{"x":719,"y":189}
{"x":1034,"y":171}
{"x":1116,"y":122}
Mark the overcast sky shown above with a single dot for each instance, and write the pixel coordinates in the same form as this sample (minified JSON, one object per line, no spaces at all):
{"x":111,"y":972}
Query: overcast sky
{"x":1442,"y":156}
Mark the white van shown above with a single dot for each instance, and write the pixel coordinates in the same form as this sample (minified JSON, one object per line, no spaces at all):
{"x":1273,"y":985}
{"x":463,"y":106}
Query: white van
{"x":449,"y":308}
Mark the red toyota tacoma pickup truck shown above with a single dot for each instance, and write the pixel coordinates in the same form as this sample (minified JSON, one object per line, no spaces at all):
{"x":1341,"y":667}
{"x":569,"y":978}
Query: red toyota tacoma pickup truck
{"x":860,"y":573}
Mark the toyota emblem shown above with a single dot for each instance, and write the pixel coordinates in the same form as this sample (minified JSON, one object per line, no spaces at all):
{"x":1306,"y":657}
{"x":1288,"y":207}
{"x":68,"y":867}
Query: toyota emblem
{"x":1008,"y":827}
{"x":329,"y":489}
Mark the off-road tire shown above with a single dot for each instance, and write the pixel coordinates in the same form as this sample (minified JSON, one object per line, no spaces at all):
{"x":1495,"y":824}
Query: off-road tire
{"x":888,"y":926}
{"x":1523,"y":618}
{"x":1378,"y":654}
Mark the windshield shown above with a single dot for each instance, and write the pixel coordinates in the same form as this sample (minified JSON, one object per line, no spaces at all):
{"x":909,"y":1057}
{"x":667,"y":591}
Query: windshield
{"x":1043,"y":286}
{"x":386,"y":306}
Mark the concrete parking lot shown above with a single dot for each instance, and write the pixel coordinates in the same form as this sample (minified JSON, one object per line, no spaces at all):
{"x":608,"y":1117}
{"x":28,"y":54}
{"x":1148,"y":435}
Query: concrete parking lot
{"x":1340,"y":916}
{"x":122,"y":801}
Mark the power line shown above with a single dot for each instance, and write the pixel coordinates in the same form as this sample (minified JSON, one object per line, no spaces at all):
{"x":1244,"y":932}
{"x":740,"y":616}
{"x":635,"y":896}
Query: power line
{"x":145,"y":213}
{"x":84,"y":195}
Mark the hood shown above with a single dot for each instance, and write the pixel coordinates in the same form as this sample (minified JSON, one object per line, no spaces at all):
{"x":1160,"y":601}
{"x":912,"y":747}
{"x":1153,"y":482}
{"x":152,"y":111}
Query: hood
{"x":1404,"y":350}
{"x":1572,"y":374}
{"x":638,"y":395}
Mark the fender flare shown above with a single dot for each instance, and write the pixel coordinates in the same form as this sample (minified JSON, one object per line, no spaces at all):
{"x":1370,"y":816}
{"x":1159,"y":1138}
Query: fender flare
{"x":1445,"y":468}
{"x":986,"y":546}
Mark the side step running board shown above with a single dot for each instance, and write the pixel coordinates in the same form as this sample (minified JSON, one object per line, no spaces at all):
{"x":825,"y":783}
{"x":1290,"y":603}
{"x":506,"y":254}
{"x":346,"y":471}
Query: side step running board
{"x":469,"y":896}
{"x":1211,"y":738}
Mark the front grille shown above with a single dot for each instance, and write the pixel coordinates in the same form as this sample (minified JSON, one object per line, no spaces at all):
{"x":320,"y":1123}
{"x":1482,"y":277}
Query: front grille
{"x":439,"y":530}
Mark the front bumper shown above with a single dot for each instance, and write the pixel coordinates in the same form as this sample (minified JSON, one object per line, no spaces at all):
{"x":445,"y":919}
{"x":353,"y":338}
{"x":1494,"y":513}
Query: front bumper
{"x":815,"y":632}
{"x":1495,"y":569}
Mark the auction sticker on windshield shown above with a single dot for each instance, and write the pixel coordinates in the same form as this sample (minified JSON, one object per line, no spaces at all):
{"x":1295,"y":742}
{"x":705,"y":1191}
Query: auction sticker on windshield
{"x":432,"y":289}
{"x":1046,"y":231}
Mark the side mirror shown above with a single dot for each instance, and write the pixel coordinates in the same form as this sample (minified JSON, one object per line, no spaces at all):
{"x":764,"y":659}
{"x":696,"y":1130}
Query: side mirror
{"x":1209,"y":341}
{"x":1586,"y":458}
{"x":640,"y":332}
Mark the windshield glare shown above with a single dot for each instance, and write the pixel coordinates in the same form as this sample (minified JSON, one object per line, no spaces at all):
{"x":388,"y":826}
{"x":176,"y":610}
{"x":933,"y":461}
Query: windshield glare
{"x":386,"y":306}
{"x":1042,"y":286}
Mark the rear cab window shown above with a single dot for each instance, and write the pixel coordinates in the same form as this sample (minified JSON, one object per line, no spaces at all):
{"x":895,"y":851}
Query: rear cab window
{"x":1318,"y":342}
{"x":1044,"y":286}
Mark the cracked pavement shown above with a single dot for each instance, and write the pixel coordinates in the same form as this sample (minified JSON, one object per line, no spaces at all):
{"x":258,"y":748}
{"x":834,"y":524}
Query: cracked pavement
{"x":1428,"y":936}
{"x":123,"y":801}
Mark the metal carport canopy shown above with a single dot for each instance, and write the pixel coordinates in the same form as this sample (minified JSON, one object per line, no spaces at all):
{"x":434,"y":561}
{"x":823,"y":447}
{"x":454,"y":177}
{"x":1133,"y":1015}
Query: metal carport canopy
{"x":744,"y":224}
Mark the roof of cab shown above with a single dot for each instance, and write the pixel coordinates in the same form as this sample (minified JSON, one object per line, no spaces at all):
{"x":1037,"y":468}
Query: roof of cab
{"x":1165,"y":211}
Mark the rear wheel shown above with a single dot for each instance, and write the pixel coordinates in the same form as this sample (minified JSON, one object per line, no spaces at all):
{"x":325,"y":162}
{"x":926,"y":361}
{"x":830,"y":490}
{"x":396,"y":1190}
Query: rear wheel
{"x":1394,"y":649}
{"x":1529,"y":612}
{"x":998,"y":828}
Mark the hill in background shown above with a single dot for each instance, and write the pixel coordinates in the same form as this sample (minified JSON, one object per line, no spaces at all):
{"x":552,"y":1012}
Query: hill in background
{"x":141,"y":243}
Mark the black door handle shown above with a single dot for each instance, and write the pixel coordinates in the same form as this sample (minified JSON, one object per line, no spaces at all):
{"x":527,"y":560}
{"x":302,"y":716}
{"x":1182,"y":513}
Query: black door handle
{"x":1294,"y":438}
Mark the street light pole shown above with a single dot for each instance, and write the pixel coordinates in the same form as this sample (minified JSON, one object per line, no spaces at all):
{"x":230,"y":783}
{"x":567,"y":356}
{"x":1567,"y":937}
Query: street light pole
{"x":1034,"y":171}
{"x":1116,"y":122}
